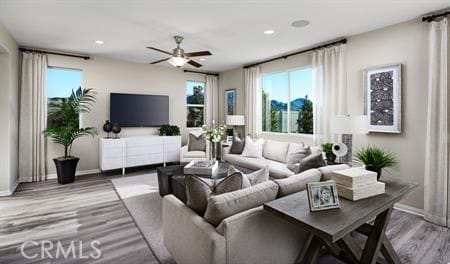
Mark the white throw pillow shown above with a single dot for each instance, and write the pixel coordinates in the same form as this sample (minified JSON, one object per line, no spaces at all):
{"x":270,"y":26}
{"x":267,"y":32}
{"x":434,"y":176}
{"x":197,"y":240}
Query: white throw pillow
{"x":253,"y":149}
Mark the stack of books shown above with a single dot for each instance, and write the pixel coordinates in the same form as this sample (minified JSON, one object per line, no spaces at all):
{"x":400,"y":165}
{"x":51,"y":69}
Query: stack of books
{"x":357,"y":183}
{"x":201,"y":167}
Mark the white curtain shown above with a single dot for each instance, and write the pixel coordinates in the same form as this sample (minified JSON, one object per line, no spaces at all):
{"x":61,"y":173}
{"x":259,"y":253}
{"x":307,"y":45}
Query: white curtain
{"x":33,"y":118}
{"x":252,"y":101}
{"x":436,"y":157}
{"x":212,"y":100}
{"x":329,"y":90}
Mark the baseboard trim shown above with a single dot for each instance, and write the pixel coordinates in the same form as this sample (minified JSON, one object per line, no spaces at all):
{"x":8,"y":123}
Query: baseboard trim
{"x":78,"y":173}
{"x":409,"y":209}
{"x":11,"y":191}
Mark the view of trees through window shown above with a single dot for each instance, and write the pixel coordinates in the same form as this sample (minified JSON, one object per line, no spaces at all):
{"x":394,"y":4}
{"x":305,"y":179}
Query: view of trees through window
{"x":195,"y":100}
{"x":286,"y":102}
{"x":60,"y":83}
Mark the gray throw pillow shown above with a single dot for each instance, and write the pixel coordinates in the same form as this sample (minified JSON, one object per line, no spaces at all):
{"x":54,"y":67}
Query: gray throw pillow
{"x":298,"y":156}
{"x":197,"y":143}
{"x":252,"y":178}
{"x":312,"y":161}
{"x":198,"y":190}
{"x":237,"y":146}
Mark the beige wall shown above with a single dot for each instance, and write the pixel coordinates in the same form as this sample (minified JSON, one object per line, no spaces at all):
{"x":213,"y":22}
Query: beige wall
{"x":8,"y":111}
{"x":233,"y":79}
{"x":405,"y":43}
{"x":108,"y":75}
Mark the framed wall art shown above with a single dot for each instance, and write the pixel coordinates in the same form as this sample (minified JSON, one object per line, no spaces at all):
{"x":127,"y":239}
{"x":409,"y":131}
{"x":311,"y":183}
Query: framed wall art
{"x":230,"y":102}
{"x":383,"y":98}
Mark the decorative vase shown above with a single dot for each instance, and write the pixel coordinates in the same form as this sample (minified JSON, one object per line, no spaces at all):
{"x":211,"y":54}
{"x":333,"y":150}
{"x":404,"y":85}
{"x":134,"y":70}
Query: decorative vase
{"x":116,"y":130}
{"x":107,"y":127}
{"x":213,"y":147}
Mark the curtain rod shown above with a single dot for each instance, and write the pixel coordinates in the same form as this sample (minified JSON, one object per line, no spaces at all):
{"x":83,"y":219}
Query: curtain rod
{"x":433,"y":17}
{"x":337,"y":42}
{"x":55,"y":53}
{"x":202,"y":72}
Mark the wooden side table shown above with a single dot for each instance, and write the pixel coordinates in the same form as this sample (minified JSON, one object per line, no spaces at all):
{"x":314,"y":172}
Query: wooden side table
{"x":331,"y":228}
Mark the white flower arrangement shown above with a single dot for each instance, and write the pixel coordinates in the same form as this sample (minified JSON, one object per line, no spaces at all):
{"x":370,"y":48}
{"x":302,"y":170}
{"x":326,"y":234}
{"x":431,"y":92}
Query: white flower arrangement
{"x":214,"y":134}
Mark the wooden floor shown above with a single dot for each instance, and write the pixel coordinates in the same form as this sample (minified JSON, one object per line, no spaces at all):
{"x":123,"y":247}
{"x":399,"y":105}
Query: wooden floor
{"x":90,"y":210}
{"x":83,"y":212}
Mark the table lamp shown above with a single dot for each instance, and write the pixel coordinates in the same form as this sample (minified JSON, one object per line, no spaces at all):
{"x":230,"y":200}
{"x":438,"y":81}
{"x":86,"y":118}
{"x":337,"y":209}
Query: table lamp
{"x":347,"y":125}
{"x":235,"y":121}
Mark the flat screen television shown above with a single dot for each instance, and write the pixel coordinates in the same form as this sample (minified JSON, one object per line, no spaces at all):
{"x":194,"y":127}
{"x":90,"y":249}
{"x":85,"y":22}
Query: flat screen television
{"x":139,"y":110}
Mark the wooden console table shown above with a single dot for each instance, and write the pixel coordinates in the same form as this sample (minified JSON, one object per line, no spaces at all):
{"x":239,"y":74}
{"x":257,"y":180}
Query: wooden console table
{"x":331,"y":228}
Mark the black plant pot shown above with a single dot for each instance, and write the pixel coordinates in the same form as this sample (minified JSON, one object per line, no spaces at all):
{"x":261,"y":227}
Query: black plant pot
{"x":331,"y":158}
{"x":65,"y":169}
{"x":378,"y":171}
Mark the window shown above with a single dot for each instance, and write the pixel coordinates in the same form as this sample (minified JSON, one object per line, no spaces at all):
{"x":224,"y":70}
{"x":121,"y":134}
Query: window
{"x":60,"y":83}
{"x":195,"y":101}
{"x":286,"y":102}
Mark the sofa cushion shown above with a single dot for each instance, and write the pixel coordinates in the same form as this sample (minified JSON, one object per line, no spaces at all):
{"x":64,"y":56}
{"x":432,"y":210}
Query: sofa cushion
{"x":237,"y":146}
{"x":312,"y":161}
{"x":246,"y":162}
{"x":254,"y":177}
{"x":298,"y":154}
{"x":198,"y":190}
{"x":227,"y":204}
{"x":195,"y":154}
{"x":253,"y":148}
{"x":275,"y":150}
{"x":297,"y":182}
{"x":196,"y":142}
{"x":327,"y":171}
{"x":278,"y":170}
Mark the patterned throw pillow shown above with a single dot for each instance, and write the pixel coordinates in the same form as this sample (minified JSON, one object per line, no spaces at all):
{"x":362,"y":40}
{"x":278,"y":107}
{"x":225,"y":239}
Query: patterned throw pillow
{"x":197,"y":143}
{"x":198,"y":189}
{"x":252,"y":178}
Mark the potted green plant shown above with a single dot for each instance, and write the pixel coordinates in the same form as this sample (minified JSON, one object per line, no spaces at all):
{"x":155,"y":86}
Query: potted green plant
{"x":64,"y":129}
{"x":328,"y":149}
{"x":376,"y":159}
{"x":169,"y":130}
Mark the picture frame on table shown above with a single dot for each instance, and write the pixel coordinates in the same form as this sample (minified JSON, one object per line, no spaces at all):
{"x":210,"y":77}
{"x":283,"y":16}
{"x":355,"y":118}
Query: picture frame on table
{"x":322,"y":195}
{"x":230,"y":102}
{"x":383,"y":98}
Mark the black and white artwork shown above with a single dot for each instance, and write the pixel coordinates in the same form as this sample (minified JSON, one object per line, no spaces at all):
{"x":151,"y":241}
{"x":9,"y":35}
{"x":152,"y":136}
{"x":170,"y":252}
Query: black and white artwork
{"x":322,"y":195}
{"x":383,"y":98}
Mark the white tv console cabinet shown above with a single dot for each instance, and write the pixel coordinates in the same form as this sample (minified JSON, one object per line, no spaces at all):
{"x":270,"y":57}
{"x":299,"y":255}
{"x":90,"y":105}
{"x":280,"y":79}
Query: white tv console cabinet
{"x":138,"y":151}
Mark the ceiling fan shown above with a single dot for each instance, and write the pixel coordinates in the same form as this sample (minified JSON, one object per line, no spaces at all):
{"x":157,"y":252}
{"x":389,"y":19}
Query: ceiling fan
{"x":179,"y":57}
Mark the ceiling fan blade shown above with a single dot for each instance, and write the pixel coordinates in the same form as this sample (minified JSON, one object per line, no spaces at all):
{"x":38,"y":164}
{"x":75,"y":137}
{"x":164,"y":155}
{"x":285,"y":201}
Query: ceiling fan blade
{"x":194,"y":63}
{"x":198,"y":53}
{"x":158,"y":61}
{"x":163,"y":51}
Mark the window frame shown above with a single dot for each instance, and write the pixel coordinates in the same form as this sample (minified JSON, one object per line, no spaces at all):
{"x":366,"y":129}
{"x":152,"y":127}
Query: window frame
{"x":309,"y":66}
{"x":196,"y":105}
{"x":82,"y":84}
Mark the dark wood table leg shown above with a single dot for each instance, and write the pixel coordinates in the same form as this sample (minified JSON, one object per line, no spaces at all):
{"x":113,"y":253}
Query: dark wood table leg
{"x":353,"y":251}
{"x":388,"y":252}
{"x":303,"y":252}
{"x":375,"y":238}
{"x":313,"y":251}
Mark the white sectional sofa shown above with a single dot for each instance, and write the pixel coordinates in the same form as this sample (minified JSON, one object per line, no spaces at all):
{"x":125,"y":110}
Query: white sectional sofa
{"x":252,"y":236}
{"x":275,"y":154}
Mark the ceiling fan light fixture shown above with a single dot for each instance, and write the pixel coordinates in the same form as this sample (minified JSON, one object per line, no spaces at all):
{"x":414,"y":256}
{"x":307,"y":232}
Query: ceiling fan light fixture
{"x":177,"y":61}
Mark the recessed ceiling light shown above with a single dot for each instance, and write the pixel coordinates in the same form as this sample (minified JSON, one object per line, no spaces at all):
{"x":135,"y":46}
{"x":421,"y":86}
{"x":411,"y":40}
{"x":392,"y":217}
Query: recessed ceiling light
{"x":300,"y":23}
{"x":269,"y":32}
{"x":202,"y":59}
{"x":99,"y":42}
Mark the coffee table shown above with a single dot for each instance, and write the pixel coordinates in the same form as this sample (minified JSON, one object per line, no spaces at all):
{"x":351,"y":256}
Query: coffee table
{"x":171,"y":179}
{"x":331,"y":228}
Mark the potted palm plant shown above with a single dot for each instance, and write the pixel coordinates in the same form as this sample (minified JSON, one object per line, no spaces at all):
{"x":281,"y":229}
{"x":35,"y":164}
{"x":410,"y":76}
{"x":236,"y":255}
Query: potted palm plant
{"x":64,"y":129}
{"x":376,"y":159}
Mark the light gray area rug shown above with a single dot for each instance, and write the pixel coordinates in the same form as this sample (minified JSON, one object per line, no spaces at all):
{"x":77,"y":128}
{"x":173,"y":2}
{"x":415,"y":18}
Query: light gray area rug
{"x":140,"y":194}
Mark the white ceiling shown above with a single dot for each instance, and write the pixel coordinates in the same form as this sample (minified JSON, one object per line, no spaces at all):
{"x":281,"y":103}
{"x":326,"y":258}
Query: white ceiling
{"x":231,"y":29}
